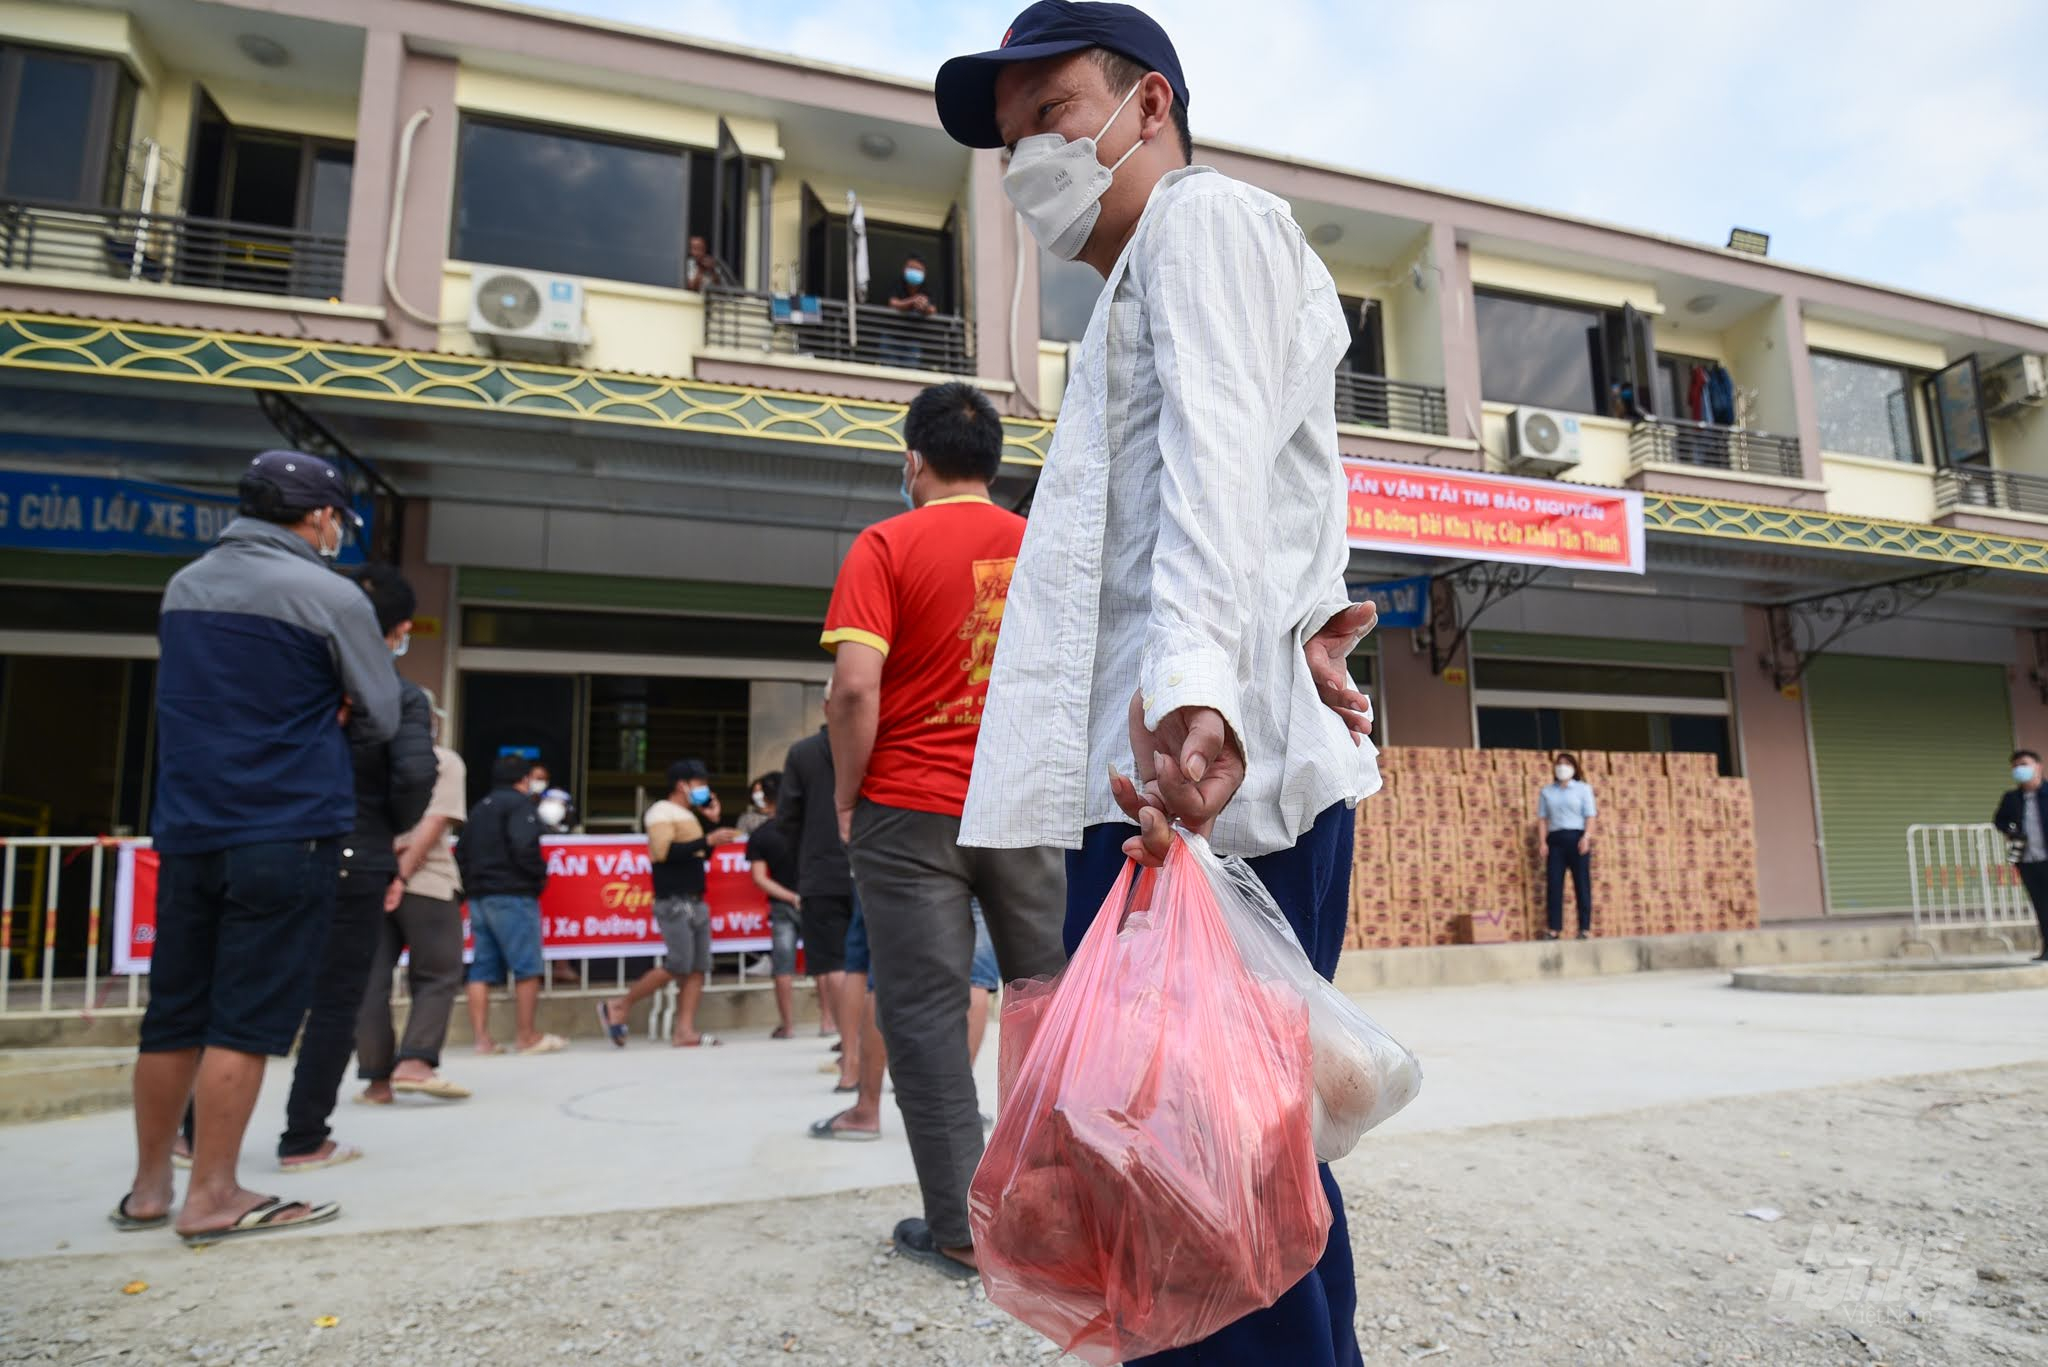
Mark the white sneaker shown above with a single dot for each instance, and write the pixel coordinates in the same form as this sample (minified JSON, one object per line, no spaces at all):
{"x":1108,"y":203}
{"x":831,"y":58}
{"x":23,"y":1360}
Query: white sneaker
{"x":759,"y":966}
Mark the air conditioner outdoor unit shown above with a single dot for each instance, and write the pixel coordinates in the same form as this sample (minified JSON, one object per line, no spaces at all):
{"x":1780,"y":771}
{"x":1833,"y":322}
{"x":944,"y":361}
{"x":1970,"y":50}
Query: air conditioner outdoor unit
{"x":2016,"y":383}
{"x":1542,"y":442}
{"x":527,"y":312}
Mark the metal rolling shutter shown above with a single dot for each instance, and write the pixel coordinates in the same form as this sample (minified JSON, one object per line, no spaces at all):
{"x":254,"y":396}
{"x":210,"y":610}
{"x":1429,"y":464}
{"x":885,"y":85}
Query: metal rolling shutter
{"x":1897,"y":742}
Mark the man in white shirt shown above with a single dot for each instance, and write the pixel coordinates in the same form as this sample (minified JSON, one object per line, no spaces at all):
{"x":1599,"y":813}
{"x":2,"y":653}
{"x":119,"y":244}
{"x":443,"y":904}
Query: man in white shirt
{"x":1178,"y":603}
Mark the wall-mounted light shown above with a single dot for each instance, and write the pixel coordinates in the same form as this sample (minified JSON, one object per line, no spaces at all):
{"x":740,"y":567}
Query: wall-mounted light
{"x":1749,"y":240}
{"x":876,"y":146}
{"x":1701,"y":303}
{"x":262,"y":50}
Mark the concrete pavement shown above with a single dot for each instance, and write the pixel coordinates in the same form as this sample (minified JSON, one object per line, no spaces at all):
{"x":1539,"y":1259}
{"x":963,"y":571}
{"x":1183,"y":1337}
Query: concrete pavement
{"x":597,"y":1129}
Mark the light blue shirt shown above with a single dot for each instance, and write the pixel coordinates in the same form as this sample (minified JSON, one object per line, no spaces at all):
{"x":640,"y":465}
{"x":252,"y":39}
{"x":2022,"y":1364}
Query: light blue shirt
{"x":1566,"y":806}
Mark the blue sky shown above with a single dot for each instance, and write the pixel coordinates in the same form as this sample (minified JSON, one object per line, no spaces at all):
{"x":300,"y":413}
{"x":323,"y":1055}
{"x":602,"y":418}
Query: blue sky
{"x":1891,"y":140}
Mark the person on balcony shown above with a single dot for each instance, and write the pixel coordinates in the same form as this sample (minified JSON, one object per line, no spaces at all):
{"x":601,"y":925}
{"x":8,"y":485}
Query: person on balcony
{"x":705,"y":269}
{"x":899,"y":347}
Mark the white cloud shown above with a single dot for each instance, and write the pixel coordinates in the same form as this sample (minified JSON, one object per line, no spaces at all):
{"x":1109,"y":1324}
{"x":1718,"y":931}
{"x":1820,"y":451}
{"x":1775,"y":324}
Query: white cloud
{"x":1875,"y":138}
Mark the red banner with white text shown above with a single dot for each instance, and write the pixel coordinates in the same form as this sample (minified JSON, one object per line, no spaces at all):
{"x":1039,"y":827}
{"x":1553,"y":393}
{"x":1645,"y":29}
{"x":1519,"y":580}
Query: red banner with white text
{"x":1417,"y":510}
{"x":598,"y":904}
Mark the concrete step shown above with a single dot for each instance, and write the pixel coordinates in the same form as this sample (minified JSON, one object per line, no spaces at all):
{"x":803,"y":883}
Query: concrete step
{"x":43,"y":1084}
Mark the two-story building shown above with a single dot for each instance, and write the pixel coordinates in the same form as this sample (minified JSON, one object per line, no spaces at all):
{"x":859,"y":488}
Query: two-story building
{"x":455,"y":244}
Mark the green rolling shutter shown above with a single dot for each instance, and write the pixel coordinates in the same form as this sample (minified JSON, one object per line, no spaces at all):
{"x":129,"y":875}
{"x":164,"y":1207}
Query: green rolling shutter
{"x":1897,"y":742}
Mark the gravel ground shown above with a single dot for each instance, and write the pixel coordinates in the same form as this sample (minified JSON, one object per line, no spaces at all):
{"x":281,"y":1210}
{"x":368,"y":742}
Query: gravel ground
{"x":1912,"y":1228}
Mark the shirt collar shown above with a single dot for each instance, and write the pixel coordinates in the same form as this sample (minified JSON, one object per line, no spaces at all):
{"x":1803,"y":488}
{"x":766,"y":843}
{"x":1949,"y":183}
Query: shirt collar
{"x":958,"y":498}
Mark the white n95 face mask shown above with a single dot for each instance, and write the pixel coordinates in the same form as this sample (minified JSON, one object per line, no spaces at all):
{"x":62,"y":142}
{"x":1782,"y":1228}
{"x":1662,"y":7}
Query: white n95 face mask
{"x":1057,"y":186}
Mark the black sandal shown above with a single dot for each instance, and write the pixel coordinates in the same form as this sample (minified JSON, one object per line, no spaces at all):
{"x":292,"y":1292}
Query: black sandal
{"x":913,"y":1240}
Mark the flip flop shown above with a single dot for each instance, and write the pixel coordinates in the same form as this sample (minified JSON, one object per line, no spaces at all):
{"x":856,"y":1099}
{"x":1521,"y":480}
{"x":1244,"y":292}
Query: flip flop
{"x":181,"y":1160}
{"x":913,"y":1240}
{"x":433,"y":1086}
{"x":617,"y":1032}
{"x":365,"y":1099}
{"x":822,"y":1129}
{"x":781,"y":1032}
{"x":546,"y":1044}
{"x":702,"y":1042}
{"x":130,"y":1224}
{"x":343,"y":1153}
{"x":262,"y":1219}
{"x":842,"y":1089}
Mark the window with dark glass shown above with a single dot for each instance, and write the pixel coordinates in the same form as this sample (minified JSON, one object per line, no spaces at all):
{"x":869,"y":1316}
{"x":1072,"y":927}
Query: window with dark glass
{"x":572,"y":202}
{"x":241,"y":181}
{"x":1865,"y":408}
{"x":1542,"y":353}
{"x":65,"y":122}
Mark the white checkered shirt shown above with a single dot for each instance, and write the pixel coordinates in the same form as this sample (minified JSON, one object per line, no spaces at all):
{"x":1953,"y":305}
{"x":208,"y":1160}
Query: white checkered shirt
{"x":1187,"y":535}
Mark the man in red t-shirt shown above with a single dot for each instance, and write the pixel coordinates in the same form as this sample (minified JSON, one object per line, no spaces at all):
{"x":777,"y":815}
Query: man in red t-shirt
{"x":913,"y":624}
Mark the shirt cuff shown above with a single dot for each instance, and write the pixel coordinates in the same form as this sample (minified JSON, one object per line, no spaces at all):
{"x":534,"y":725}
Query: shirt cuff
{"x":832,"y":639}
{"x":1200,"y":677}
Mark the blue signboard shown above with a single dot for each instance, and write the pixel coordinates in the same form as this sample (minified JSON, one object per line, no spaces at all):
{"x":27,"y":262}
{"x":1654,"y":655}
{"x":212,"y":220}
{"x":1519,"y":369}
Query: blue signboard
{"x":47,"y":512}
{"x":1402,"y":602}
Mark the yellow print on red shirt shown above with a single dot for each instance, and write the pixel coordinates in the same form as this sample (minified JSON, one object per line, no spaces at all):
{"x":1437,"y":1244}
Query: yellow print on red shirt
{"x":978,"y":629}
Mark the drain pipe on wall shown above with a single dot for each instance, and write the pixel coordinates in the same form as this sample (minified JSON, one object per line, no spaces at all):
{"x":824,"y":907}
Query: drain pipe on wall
{"x":405,"y":141}
{"x":1017,"y":302}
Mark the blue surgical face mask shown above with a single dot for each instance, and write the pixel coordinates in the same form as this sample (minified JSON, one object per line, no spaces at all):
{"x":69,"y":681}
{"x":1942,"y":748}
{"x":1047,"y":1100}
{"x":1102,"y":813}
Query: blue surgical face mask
{"x":914,"y":275}
{"x":908,"y":502}
{"x":700,"y":794}
{"x":2022,"y":773}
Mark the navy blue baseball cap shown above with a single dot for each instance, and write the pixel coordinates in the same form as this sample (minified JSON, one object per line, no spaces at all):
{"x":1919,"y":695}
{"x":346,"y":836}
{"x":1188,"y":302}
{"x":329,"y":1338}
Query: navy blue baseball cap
{"x":303,"y":483}
{"x":966,"y":88}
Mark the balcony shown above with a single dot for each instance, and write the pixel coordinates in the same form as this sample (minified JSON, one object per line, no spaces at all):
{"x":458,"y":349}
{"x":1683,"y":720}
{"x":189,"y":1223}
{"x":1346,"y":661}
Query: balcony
{"x":1674,"y":443}
{"x":169,"y":249}
{"x":1969,"y":488}
{"x":1375,"y":401}
{"x":743,"y":320}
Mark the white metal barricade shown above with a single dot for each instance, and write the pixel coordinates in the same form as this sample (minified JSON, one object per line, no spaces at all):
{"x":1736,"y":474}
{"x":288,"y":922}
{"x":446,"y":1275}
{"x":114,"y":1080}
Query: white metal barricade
{"x":29,"y":925}
{"x":1963,"y":879}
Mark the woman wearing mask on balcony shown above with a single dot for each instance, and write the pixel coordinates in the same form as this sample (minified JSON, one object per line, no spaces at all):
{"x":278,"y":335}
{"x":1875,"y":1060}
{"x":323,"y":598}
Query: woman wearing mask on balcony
{"x":1564,"y":820}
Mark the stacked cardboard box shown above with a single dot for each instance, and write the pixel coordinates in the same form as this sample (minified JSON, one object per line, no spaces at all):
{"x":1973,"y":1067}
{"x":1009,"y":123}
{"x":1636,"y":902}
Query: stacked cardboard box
{"x":1453,"y":835}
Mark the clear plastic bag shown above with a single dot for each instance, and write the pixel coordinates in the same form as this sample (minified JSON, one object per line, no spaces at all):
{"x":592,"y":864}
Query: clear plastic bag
{"x":1362,"y":1074}
{"x":1151,"y":1177}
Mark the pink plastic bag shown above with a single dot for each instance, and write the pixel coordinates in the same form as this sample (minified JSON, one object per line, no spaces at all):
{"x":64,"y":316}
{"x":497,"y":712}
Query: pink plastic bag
{"x":1152,"y":1176}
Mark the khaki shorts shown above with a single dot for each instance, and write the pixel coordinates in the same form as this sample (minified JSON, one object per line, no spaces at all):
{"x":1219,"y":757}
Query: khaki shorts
{"x":685,"y":924}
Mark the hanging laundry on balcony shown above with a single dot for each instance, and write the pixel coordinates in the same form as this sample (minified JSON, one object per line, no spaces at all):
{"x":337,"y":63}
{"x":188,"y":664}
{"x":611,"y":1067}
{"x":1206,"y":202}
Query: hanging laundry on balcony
{"x":1720,"y":396}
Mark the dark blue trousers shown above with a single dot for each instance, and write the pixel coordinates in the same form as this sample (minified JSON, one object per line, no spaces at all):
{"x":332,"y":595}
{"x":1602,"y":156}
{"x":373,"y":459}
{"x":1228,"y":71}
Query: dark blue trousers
{"x":1309,"y":1326}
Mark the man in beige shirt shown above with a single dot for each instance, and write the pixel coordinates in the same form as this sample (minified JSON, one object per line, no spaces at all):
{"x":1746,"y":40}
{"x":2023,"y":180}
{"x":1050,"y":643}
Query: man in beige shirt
{"x":425,"y":917}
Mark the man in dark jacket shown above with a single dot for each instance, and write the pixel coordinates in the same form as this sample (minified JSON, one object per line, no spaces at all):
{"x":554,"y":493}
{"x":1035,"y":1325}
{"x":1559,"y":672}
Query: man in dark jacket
{"x":2023,"y":816}
{"x":803,"y":812}
{"x":393,"y":780}
{"x":503,"y":871}
{"x":264,"y":654}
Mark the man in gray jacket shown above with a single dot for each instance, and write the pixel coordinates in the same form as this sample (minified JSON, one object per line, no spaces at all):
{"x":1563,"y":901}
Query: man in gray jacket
{"x":265,"y":656}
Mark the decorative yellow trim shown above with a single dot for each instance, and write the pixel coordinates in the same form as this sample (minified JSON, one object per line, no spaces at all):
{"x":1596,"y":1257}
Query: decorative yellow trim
{"x":958,"y":498}
{"x":170,"y":355}
{"x":163,"y":354}
{"x":838,"y":636}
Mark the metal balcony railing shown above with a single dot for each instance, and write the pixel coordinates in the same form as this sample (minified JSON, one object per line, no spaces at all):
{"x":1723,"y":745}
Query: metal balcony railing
{"x":124,"y":244}
{"x":745,"y":320}
{"x":1376,"y":401}
{"x":1962,"y":487}
{"x":1678,"y":442}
